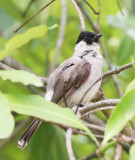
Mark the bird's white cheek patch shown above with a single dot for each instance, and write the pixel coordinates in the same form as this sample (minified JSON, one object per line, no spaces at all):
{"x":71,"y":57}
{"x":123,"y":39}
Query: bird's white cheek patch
{"x":49,"y":95}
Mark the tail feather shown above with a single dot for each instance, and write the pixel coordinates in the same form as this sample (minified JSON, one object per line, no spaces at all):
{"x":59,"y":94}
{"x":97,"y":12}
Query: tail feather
{"x":23,"y":141}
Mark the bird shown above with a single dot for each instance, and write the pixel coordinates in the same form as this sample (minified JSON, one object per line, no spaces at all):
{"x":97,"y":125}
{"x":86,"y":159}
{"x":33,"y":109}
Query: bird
{"x":75,"y":81}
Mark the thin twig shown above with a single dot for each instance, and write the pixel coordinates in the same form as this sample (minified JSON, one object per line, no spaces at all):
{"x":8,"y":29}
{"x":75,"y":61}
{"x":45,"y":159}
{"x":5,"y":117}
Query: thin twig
{"x":95,"y":127}
{"x":123,"y":138}
{"x":118,"y":152}
{"x":116,"y":82}
{"x":93,"y":119}
{"x":28,"y":7}
{"x":98,"y":19}
{"x":118,"y":69}
{"x":99,"y":109}
{"x":87,"y":15}
{"x":95,"y":12}
{"x":11,"y":62}
{"x":4,"y":66}
{"x":91,"y":156}
{"x":69,"y":144}
{"x":99,"y":136}
{"x":34,"y":16}
{"x":61,"y":34}
{"x":80,"y":15}
{"x":92,"y":106}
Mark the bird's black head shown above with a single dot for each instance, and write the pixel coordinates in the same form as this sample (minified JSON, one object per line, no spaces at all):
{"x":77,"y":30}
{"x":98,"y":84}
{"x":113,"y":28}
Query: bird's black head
{"x":88,"y":37}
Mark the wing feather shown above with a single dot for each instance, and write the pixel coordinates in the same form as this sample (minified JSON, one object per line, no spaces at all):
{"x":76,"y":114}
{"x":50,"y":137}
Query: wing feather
{"x":71,"y":77}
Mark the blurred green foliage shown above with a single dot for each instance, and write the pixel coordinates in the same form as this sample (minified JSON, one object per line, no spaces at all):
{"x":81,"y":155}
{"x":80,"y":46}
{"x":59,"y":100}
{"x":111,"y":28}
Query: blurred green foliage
{"x":118,"y":31}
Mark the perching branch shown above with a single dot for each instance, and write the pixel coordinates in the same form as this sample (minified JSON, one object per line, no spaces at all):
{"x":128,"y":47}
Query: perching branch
{"x":118,"y":152}
{"x":61,"y":34}
{"x":103,"y":103}
{"x":95,"y":127}
{"x":34,"y":15}
{"x":123,"y":138}
{"x":69,"y":144}
{"x":99,"y":109}
{"x":80,"y":15}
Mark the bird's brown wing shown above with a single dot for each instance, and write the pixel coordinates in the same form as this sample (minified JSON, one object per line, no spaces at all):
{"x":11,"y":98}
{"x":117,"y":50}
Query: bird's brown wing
{"x":71,"y":77}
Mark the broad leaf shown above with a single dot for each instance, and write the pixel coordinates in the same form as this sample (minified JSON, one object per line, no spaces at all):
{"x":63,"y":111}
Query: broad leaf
{"x":38,"y":107}
{"x":21,"y":39}
{"x":47,"y":134}
{"x":121,"y":114}
{"x":6,"y":118}
{"x":126,"y":50}
{"x":130,"y":87}
{"x":132,"y":152}
{"x":21,"y":76}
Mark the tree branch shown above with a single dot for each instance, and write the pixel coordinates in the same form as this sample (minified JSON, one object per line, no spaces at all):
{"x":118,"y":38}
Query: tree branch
{"x":91,"y":7}
{"x":80,"y":15}
{"x":87,"y":15}
{"x":98,"y":19}
{"x":95,"y":127}
{"x":118,"y":69}
{"x":118,"y":152}
{"x":91,"y":156}
{"x":69,"y":144}
{"x":5,"y":67}
{"x":92,"y":106}
{"x":34,"y":15}
{"x":99,"y":109}
{"x":61,"y":34}
{"x":28,"y":7}
{"x":116,"y":82}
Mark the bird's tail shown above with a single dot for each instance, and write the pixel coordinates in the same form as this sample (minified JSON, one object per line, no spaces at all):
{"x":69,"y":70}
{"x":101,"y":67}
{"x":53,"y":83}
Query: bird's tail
{"x":23,"y":141}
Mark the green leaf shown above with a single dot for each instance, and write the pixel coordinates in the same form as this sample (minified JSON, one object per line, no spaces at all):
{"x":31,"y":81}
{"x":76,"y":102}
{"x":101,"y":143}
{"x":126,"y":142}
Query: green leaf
{"x":132,"y":152}
{"x":19,"y":40}
{"x":38,"y":107}
{"x":49,"y":138}
{"x":130,"y":87}
{"x":123,"y":112}
{"x":126,"y":50}
{"x":21,"y":76}
{"x":6,"y":118}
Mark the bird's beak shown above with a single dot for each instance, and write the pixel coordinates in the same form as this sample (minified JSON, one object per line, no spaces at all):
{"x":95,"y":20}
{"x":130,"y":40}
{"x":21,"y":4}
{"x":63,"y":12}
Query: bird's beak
{"x":97,"y":36}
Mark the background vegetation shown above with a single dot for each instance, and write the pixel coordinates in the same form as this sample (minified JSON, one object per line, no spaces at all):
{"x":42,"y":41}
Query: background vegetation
{"x":35,"y":51}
